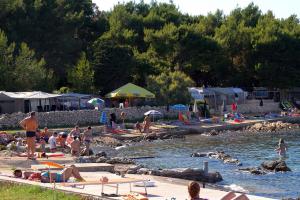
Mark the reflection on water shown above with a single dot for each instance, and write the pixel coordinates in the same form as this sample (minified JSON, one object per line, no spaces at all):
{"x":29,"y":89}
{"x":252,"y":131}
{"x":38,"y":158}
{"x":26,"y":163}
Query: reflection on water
{"x":250,"y":149}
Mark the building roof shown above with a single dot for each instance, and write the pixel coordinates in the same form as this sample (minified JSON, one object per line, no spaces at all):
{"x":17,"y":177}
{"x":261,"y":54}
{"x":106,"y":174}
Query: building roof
{"x":76,"y":95}
{"x":29,"y":95}
{"x":226,"y":91}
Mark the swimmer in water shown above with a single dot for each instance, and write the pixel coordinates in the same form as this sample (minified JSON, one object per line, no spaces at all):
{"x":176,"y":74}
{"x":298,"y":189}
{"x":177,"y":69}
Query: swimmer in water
{"x":282,"y":149}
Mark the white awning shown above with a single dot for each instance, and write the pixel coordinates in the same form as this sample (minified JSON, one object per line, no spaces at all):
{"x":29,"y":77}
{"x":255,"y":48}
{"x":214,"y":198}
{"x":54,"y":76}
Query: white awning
{"x":29,"y":95}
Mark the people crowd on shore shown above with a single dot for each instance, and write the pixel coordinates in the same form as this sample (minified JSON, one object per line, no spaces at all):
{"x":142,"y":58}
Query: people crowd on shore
{"x":78,"y":143}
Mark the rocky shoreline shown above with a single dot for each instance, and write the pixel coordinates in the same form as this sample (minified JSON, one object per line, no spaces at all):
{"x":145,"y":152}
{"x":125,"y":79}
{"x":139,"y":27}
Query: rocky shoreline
{"x":129,"y":167}
{"x":261,"y":127}
{"x":219,"y":155}
{"x":267,"y":167}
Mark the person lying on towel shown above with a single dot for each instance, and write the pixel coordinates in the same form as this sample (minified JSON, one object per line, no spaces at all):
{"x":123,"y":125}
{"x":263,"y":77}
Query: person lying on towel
{"x":46,"y":177}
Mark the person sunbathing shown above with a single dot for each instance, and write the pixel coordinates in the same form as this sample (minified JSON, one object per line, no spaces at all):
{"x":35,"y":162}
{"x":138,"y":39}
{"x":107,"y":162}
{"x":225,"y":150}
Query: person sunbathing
{"x":46,"y":177}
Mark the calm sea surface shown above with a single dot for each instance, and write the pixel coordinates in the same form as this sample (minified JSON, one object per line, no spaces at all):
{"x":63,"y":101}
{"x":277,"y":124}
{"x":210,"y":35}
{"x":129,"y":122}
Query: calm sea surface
{"x":250,"y":149}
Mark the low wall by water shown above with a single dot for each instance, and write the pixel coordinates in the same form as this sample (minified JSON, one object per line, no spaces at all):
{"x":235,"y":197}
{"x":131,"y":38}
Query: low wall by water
{"x":79,"y":117}
{"x":253,"y":107}
{"x":87,"y":117}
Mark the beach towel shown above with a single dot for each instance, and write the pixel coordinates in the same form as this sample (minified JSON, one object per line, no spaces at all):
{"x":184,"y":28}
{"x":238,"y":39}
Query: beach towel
{"x":135,"y":196}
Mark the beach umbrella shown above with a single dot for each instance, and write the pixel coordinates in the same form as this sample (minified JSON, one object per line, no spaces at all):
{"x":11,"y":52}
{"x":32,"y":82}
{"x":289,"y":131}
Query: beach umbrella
{"x":153,"y":113}
{"x":179,"y":107}
{"x":52,"y":164}
{"x":195,"y":107}
{"x":96,"y":101}
{"x":224,"y":109}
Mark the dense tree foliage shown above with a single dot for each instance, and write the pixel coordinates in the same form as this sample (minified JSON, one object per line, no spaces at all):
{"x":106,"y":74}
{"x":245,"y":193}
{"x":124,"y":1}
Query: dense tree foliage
{"x":171,"y":88}
{"x":42,"y":41}
{"x":19,"y":68}
{"x":82,"y":76}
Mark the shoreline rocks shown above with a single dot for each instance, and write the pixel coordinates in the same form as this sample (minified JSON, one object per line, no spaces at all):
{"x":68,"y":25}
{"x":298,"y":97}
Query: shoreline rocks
{"x":268,"y":166}
{"x":275,"y":165}
{"x":271,"y":126}
{"x":103,"y":159}
{"x":219,"y":155}
{"x":181,"y":173}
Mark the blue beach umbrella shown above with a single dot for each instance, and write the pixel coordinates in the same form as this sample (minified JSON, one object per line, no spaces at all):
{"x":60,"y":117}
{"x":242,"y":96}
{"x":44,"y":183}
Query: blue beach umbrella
{"x":96,"y":101}
{"x":179,"y":107}
{"x":103,"y":118}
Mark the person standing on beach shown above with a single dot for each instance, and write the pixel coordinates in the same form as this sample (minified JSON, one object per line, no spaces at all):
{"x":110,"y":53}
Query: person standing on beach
{"x":123,"y":117}
{"x":87,"y":138}
{"x":147,"y":123}
{"x":282,"y":149}
{"x":75,"y":132}
{"x":30,"y":124}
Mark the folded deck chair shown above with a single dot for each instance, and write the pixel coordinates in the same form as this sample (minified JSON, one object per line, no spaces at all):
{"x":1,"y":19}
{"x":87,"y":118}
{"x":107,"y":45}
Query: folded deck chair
{"x":111,"y":183}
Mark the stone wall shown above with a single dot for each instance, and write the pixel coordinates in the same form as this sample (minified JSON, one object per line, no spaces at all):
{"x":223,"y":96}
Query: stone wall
{"x":252,"y":107}
{"x":92,"y":117}
{"x":80,"y":117}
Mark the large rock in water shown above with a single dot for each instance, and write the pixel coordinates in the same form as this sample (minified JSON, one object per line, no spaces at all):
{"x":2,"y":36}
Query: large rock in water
{"x":276,"y":165}
{"x":254,"y":170}
{"x":190,"y":174}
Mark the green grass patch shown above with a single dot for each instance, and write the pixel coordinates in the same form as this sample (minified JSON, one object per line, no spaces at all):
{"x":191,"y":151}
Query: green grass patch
{"x":10,"y":191}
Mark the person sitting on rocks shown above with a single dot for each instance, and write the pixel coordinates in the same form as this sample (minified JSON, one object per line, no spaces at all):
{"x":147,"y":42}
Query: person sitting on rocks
{"x":75,"y":132}
{"x":45,"y":134}
{"x":75,"y":147}
{"x":61,"y":139}
{"x":138,"y":127}
{"x":52,"y":142}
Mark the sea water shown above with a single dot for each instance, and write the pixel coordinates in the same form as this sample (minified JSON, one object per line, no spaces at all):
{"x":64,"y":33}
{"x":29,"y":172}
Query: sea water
{"x":251,"y":149}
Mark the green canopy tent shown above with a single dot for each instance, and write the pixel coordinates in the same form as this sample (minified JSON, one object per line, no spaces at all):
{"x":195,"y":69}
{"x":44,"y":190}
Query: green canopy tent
{"x":130,"y":91}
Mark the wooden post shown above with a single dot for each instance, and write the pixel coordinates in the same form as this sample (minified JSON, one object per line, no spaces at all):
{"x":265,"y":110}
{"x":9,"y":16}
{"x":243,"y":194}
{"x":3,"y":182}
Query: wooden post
{"x":205,"y":167}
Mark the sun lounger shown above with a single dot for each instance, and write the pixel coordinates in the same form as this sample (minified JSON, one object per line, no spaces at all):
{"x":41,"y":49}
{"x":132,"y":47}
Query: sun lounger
{"x":111,"y":183}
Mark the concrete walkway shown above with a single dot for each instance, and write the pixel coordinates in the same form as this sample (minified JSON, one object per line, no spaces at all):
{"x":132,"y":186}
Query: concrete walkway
{"x":165,"y":188}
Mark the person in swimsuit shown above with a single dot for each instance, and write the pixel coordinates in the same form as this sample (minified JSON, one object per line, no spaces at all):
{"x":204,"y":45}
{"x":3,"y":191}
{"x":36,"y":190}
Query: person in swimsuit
{"x":46,"y":177}
{"x":87,"y":138}
{"x":75,"y":147}
{"x":147,"y":123}
{"x":282,"y":149}
{"x":30,"y":124}
{"x":75,"y":132}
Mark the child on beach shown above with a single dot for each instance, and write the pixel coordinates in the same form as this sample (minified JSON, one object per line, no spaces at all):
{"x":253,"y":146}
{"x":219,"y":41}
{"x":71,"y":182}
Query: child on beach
{"x":282,"y":149}
{"x":75,"y":147}
{"x":52,"y":142}
{"x":43,"y":144}
{"x":20,"y":146}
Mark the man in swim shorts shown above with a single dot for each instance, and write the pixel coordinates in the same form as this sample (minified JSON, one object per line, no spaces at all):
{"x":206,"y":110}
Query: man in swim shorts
{"x":30,"y":124}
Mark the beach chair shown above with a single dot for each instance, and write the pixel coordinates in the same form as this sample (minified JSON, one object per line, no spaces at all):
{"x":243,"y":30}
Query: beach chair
{"x":111,"y":183}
